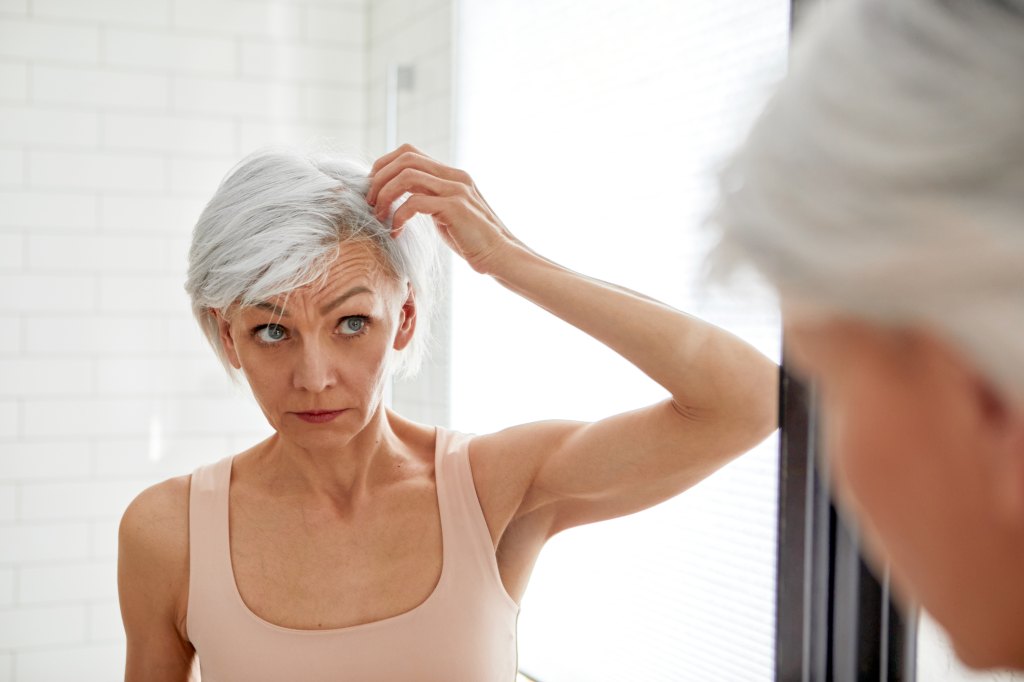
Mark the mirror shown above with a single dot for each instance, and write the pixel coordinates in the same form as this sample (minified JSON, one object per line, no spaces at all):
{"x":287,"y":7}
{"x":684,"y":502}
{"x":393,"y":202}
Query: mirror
{"x":596,"y":145}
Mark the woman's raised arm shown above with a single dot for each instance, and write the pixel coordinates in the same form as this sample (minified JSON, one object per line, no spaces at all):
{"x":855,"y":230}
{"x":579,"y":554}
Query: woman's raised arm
{"x":722,"y":391}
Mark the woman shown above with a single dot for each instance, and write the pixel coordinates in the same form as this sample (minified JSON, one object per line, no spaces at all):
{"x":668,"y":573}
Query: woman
{"x":356,"y":544}
{"x":882,"y":192}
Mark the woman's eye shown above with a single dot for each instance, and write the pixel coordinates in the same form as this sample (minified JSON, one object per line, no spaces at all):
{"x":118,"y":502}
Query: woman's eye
{"x":270,"y":333}
{"x":352,"y":326}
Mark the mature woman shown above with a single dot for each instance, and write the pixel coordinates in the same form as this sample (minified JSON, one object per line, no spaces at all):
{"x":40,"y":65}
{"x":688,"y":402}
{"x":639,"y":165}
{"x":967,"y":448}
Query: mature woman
{"x":882,"y":192}
{"x":356,"y":544}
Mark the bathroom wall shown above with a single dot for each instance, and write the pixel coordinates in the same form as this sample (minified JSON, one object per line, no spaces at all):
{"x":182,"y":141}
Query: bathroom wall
{"x":117,"y":120}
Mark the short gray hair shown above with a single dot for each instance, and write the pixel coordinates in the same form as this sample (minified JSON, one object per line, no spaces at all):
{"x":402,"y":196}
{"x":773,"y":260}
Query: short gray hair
{"x":885,"y":178}
{"x":275,"y":224}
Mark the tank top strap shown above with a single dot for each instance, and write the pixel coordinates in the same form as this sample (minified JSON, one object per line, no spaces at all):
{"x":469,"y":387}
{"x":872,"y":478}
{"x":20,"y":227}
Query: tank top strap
{"x":210,"y":582}
{"x":470,"y":548}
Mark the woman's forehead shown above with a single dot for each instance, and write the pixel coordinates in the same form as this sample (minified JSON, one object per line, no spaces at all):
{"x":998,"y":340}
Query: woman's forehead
{"x":356,"y":271}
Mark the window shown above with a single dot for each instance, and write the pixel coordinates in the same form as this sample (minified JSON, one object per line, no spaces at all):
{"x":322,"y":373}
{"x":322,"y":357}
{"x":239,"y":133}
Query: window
{"x":594,"y":128}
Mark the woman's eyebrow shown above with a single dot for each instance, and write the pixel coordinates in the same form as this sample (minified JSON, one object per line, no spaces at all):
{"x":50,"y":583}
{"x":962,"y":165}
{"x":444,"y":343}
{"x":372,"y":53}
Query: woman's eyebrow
{"x":344,"y":297}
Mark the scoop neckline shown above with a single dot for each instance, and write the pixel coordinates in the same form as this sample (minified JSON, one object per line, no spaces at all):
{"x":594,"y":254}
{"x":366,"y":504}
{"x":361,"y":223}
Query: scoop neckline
{"x":237,"y":595}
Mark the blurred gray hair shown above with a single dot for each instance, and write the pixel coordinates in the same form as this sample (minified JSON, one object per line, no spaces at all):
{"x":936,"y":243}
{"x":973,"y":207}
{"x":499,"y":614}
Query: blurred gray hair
{"x":885,"y":178}
{"x":275,"y":224}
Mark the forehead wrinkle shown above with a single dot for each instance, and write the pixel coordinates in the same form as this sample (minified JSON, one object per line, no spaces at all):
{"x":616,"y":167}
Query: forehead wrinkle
{"x":355,"y":264}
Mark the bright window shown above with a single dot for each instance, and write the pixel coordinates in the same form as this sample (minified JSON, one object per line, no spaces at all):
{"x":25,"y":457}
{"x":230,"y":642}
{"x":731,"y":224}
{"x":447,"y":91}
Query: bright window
{"x":593,"y":128}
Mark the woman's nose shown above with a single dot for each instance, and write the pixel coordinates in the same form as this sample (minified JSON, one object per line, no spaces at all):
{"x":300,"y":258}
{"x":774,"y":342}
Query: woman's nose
{"x":313,"y":370}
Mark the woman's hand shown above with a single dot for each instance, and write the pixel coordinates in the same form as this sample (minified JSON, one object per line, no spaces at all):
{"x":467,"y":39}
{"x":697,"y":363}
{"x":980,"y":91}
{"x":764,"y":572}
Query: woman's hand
{"x":448,"y":195}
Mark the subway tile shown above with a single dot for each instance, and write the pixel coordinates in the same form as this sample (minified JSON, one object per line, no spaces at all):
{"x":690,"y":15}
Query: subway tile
{"x":50,"y":377}
{"x":44,"y":501}
{"x":97,"y":171}
{"x":28,"y":542}
{"x":104,"y":538}
{"x":303,"y":63}
{"x":119,"y":376}
{"x":235,"y":97}
{"x":25,"y":627}
{"x":13,"y":82}
{"x":31,"y":461}
{"x":184,"y":335}
{"x":36,"y":126}
{"x":173,"y":134}
{"x":95,"y":335}
{"x":240,"y":17}
{"x":10,"y":418}
{"x":201,"y":176}
{"x":99,"y":662}
{"x":33,"y":626}
{"x":181,"y":54}
{"x":54,"y":418}
{"x":8,"y":502}
{"x":76,"y":581}
{"x":6,"y":590}
{"x":12,"y":252}
{"x":342,"y":25}
{"x":17,"y":7}
{"x":157,"y":459}
{"x":146,"y":295}
{"x":335,"y":136}
{"x":99,"y":88}
{"x":98,"y":253}
{"x":105,"y":624}
{"x":29,"y":39}
{"x":10,"y":333}
{"x":134,"y":12}
{"x":27,"y":209}
{"x":340,"y":104}
{"x":150,"y":213}
{"x":43,"y":293}
{"x":12,"y":168}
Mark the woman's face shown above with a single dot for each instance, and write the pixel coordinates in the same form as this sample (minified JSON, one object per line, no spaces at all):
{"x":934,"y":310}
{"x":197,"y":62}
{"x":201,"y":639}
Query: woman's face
{"x":915,"y":443}
{"x":317,"y":358}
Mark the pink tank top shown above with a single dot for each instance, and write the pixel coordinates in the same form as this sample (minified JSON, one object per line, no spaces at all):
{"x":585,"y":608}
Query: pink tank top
{"x":465,"y":631}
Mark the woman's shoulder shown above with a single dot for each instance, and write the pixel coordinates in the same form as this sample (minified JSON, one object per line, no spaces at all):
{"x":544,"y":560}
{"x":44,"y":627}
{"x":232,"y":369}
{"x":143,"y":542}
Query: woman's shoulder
{"x":154,"y":526}
{"x":153,"y":549}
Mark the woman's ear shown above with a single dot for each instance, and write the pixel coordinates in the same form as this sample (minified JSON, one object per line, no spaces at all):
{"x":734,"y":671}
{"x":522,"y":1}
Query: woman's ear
{"x":226,"y":340}
{"x":406,"y":319}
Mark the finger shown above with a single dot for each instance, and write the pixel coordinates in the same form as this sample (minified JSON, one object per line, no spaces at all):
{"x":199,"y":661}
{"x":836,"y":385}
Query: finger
{"x":418,"y":203}
{"x":411,"y":160}
{"x":412,"y":181}
{"x":392,"y":155}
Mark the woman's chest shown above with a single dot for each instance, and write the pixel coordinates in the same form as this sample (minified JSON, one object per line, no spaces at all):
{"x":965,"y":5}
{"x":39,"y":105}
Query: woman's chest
{"x":297,"y":569}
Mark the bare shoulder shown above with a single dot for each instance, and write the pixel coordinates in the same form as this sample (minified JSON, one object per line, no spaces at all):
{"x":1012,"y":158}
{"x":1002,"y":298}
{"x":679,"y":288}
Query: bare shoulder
{"x":156,"y":521}
{"x":153,"y":550}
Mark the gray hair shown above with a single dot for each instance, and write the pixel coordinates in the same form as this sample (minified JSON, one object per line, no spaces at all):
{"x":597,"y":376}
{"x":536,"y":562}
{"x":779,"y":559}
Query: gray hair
{"x":885,"y":178}
{"x":275,"y":224}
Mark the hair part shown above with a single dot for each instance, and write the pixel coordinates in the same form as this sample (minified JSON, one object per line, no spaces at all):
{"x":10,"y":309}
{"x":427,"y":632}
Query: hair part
{"x":885,"y":178}
{"x":275,"y":224}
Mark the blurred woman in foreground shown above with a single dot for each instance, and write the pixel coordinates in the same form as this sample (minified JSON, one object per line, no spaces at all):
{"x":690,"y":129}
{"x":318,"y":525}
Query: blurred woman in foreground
{"x":882,"y":193}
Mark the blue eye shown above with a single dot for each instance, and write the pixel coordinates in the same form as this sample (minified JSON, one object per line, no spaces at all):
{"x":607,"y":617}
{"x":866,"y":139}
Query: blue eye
{"x":352,"y":326}
{"x":269,"y":333}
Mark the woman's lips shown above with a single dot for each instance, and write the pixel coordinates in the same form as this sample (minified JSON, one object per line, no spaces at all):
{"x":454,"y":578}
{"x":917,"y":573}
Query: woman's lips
{"x":318,"y":416}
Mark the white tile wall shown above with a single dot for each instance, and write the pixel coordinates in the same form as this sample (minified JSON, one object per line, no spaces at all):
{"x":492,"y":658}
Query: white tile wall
{"x":117,"y":120}
{"x":98,"y":88}
{"x":13,"y":82}
{"x":49,"y":41}
{"x":12,"y":167}
{"x":26,"y":209}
